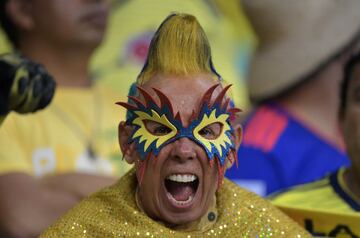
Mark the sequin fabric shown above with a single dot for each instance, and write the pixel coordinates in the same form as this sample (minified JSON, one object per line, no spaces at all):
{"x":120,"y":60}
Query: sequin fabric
{"x":113,"y":212}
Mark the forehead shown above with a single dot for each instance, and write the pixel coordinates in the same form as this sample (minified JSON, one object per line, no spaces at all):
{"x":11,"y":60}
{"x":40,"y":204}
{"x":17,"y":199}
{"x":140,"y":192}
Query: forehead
{"x":184,"y":92}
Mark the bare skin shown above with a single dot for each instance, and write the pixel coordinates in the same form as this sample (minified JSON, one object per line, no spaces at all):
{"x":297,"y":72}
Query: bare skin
{"x":183,"y":156}
{"x":64,"y":43}
{"x":306,"y":101}
{"x":29,"y":205}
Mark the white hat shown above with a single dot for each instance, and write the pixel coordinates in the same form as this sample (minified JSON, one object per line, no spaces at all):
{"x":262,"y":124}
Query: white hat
{"x":296,"y":37}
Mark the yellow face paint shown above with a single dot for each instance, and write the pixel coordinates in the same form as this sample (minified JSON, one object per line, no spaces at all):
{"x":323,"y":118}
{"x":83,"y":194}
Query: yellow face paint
{"x":146,"y":141}
{"x":222,"y":139}
{"x":145,"y":135}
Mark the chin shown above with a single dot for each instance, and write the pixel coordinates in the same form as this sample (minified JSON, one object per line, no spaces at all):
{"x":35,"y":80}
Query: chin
{"x":182,"y":219}
{"x":91,"y":39}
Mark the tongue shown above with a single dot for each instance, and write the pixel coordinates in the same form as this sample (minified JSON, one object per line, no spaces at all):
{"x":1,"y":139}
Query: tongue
{"x":180,"y":191}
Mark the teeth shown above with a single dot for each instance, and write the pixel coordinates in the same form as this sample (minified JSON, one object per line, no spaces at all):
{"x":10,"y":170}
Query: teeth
{"x":181,"y":203}
{"x":182,"y":178}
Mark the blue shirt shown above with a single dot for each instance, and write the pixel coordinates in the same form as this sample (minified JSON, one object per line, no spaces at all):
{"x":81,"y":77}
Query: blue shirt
{"x":278,"y":151}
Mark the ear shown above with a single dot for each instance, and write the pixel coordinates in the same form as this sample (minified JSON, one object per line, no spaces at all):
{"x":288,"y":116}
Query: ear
{"x":124,"y":132}
{"x":19,"y":12}
{"x":237,"y":137}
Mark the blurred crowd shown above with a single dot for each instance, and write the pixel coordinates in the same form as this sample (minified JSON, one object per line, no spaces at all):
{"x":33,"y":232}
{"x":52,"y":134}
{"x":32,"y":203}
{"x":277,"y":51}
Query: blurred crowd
{"x":294,"y":67}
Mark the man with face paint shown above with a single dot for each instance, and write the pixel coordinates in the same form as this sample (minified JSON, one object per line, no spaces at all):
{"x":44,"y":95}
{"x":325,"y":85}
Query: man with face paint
{"x":181,"y":137}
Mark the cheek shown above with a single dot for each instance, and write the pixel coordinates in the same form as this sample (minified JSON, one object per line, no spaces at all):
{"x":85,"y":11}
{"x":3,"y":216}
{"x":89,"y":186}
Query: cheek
{"x":351,"y":128}
{"x":201,"y":152}
{"x":155,"y":163}
{"x":211,"y":178}
{"x":353,"y":135}
{"x":65,"y":14}
{"x":57,"y":23}
{"x":351,"y":124}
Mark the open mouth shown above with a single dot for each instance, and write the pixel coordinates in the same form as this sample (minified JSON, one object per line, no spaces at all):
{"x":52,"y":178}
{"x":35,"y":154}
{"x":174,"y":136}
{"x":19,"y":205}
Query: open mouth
{"x":181,"y":188}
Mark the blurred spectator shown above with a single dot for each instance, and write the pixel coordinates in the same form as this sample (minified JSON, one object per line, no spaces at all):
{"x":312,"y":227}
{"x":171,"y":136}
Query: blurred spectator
{"x":292,"y":136}
{"x":125,"y":48}
{"x":338,"y":193}
{"x":52,"y":159}
{"x":123,"y":52}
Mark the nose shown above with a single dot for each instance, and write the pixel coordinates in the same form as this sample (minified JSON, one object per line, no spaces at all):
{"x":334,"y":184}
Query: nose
{"x":184,"y":149}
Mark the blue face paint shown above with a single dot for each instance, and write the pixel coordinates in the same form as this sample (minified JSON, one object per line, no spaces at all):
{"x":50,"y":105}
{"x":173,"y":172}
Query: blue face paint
{"x":147,"y":142}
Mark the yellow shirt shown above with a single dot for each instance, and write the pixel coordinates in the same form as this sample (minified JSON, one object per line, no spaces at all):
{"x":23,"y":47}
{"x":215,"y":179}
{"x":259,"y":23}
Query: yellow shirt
{"x":325,"y":207}
{"x":113,"y":212}
{"x":329,"y":194}
{"x":57,"y":139}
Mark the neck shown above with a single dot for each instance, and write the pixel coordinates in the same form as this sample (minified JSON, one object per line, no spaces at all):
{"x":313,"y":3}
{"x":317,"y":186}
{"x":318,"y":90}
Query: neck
{"x":352,"y":180}
{"x":68,"y":65}
{"x":201,"y":223}
{"x":316,"y":103}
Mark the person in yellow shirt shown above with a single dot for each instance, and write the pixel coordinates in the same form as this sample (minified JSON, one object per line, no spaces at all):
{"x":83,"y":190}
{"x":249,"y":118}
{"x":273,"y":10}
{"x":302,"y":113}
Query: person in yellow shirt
{"x":181,"y":135}
{"x":122,"y":54}
{"x":331,"y":206}
{"x":52,"y":159}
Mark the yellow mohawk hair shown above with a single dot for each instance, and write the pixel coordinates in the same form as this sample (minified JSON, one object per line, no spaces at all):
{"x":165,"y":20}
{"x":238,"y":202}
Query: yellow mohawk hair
{"x":179,"y":47}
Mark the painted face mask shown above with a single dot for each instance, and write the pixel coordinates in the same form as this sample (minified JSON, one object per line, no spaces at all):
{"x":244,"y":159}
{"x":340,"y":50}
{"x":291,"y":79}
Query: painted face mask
{"x":150,"y":143}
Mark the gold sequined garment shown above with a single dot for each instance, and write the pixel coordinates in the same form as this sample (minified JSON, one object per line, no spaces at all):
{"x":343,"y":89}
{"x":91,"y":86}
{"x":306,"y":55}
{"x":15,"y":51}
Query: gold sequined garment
{"x":113,"y":212}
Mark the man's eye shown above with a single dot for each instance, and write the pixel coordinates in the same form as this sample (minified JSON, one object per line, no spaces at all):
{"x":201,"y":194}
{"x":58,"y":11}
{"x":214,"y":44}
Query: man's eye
{"x":211,"y":132}
{"x":156,"y":128}
{"x":161,"y":130}
{"x":206,"y":132}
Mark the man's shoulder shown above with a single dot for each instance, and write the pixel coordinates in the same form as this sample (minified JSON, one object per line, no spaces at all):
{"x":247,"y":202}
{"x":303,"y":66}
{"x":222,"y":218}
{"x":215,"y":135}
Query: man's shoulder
{"x":240,"y":196}
{"x":303,"y":194}
{"x":320,"y":195}
{"x":237,"y":205}
{"x":319,"y":207}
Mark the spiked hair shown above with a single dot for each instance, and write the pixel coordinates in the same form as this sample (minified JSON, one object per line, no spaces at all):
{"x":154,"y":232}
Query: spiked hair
{"x":179,"y":47}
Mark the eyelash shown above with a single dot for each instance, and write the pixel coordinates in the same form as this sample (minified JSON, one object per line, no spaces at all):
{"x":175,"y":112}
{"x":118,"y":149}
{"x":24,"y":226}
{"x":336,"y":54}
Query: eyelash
{"x":206,"y":131}
{"x":162,"y":130}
